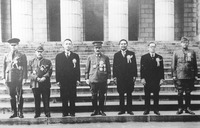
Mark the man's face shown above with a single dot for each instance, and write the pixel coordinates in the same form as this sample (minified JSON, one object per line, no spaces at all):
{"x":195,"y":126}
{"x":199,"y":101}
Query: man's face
{"x":123,"y":45}
{"x":13,"y":46}
{"x":184,"y":44}
{"x":97,"y":49}
{"x":152,"y":48}
{"x":67,"y":45}
{"x":39,"y":54}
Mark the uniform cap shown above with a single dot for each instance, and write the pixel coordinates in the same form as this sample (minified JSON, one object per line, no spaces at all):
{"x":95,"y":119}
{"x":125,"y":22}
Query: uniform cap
{"x":97,"y":43}
{"x":184,"y":38}
{"x":39,"y":48}
{"x":14,"y":40}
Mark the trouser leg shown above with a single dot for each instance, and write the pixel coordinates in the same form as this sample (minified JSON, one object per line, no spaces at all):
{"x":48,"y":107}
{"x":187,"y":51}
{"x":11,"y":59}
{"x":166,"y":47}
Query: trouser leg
{"x":180,"y":99}
{"x":121,"y":102}
{"x":37,"y":97}
{"x":129,"y":101}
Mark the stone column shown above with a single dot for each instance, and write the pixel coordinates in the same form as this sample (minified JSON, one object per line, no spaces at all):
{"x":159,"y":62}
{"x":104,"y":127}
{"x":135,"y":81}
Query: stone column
{"x":117,"y":20}
{"x":6,"y":19}
{"x":22,"y":19}
{"x":39,"y":20}
{"x":164,"y":20}
{"x":0,"y":23}
{"x":198,"y":22}
{"x":71,"y":20}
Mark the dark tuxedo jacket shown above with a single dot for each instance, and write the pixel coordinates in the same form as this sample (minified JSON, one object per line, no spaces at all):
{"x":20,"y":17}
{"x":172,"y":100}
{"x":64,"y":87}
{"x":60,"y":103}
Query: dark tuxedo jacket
{"x":124,"y":71}
{"x":151,"y":71}
{"x":67,"y":69}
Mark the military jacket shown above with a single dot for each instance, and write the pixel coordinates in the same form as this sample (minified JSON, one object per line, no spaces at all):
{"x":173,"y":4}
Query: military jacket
{"x":15,"y":67}
{"x":38,"y":69}
{"x":98,"y":68}
{"x":184,"y":65}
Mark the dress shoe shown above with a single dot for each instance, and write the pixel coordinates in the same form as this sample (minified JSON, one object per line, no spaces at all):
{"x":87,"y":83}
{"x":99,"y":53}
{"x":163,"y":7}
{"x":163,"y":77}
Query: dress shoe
{"x":121,"y":112}
{"x":64,"y":115}
{"x":21,"y":115}
{"x":48,"y":115}
{"x":130,"y":112}
{"x":189,"y":111}
{"x":157,"y":113}
{"x":180,"y":111}
{"x":36,"y":116}
{"x":146,"y":112}
{"x":72,"y":114}
{"x":94,"y":113}
{"x":102,"y":113}
{"x":13,"y":116}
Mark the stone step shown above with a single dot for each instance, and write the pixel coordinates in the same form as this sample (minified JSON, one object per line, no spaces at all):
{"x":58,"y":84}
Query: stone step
{"x":56,"y":119}
{"x":86,"y":89}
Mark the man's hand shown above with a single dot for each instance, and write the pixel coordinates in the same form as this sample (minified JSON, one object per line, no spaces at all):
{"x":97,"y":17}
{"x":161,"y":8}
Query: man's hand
{"x":115,"y":80}
{"x":143,"y":81}
{"x":23,"y":81}
{"x":42,"y":79}
{"x":161,"y":81}
{"x":134,"y":79}
{"x":4,"y":81}
{"x":78,"y":83}
{"x":87,"y":81}
{"x":58,"y":84}
{"x":108,"y":81}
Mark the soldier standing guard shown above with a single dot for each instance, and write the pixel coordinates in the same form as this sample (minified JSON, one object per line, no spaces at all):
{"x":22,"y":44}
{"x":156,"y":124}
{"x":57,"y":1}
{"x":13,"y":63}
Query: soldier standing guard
{"x":15,"y":75}
{"x":40,"y":73}
{"x":184,"y":72}
{"x":98,"y":75}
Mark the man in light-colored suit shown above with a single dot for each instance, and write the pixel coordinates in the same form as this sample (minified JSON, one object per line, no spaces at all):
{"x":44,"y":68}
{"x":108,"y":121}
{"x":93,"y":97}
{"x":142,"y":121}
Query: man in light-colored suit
{"x":184,"y":72}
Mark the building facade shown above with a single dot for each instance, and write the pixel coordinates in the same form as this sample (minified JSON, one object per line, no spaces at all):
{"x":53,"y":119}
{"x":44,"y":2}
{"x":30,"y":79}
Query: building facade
{"x":104,"y":20}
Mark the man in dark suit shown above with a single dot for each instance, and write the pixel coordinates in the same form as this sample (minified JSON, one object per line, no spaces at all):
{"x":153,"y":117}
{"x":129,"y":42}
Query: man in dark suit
{"x":124,"y":74}
{"x":184,"y":72}
{"x":68,"y":77}
{"x":152,"y":76}
{"x":15,"y":75}
{"x":40,"y":72}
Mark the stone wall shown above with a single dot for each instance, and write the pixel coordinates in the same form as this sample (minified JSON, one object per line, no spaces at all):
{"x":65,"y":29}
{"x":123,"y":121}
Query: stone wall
{"x":146,"y":20}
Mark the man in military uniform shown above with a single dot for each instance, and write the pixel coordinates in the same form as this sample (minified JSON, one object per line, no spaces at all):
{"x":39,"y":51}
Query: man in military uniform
{"x":98,"y":75}
{"x":68,"y":77}
{"x":152,"y":77}
{"x":40,"y":73}
{"x":184,"y":72}
{"x":124,"y":74}
{"x":15,"y":75}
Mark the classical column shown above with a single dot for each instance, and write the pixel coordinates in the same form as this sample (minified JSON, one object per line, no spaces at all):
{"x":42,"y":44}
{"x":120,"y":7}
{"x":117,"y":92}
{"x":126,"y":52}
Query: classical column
{"x":164,"y":20}
{"x":71,"y":20}
{"x":39,"y":20}
{"x":22,"y":19}
{"x":6,"y":19}
{"x":0,"y":23}
{"x":117,"y":20}
{"x":198,"y":13}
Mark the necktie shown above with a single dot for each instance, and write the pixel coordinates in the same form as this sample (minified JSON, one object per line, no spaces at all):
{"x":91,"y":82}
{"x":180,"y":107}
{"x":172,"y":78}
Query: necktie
{"x":123,"y":53}
{"x":13,"y":55}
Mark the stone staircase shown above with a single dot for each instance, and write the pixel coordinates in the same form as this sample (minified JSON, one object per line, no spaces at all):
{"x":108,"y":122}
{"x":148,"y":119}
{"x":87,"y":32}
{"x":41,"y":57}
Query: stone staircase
{"x":168,"y":94}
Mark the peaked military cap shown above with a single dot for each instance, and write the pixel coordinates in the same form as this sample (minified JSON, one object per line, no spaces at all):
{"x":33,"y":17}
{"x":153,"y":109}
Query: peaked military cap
{"x":184,"y":38}
{"x":39,"y":48}
{"x":14,"y":40}
{"x":97,"y":43}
